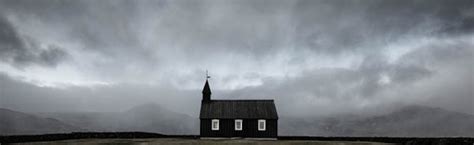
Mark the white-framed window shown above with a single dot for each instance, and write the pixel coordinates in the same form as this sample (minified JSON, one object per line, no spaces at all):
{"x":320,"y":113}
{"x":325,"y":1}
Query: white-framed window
{"x":238,"y":124}
{"x":215,"y":124}
{"x":261,"y":125}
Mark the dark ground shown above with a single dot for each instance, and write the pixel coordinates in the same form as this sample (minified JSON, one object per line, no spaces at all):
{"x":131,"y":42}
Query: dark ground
{"x":144,"y":135}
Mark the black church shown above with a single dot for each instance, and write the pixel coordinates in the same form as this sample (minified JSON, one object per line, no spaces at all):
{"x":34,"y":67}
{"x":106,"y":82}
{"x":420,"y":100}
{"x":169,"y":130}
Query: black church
{"x":237,"y":118}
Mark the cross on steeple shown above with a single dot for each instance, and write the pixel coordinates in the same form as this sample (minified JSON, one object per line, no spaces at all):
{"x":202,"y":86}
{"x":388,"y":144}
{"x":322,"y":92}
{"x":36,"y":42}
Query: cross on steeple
{"x":207,"y":75}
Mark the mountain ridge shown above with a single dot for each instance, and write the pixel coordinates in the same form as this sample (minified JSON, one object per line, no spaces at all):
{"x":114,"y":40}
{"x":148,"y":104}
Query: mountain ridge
{"x":149,"y":117}
{"x":14,"y":122}
{"x":408,"y":121}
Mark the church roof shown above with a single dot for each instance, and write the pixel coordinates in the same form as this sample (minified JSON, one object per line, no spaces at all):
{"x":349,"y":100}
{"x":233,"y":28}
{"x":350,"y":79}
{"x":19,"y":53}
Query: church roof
{"x":238,"y":109}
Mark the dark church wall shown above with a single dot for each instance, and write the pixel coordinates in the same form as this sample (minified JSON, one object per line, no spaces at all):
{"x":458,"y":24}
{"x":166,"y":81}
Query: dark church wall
{"x":250,"y":128}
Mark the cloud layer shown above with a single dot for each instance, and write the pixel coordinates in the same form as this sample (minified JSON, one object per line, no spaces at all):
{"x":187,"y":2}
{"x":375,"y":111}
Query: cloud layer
{"x":313,"y":57}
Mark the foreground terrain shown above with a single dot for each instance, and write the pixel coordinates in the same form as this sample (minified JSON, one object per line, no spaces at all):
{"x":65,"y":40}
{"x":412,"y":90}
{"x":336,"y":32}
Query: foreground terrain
{"x":160,"y":141}
{"x":155,"y":138}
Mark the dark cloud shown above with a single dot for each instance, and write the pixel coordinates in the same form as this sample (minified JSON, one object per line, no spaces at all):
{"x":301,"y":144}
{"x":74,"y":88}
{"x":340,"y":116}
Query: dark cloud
{"x":327,"y":26}
{"x":21,"y":51}
{"x":448,"y":17}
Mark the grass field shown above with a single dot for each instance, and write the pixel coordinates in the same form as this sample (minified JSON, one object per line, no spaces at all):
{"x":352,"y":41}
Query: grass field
{"x":175,"y":141}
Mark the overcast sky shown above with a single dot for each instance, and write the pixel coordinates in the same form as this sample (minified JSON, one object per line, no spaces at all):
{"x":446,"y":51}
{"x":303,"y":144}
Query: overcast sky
{"x":314,"y":57}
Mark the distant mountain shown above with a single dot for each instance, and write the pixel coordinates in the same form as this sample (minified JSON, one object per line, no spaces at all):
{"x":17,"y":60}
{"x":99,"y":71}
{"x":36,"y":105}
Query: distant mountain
{"x":418,"y":121}
{"x":412,"y":121}
{"x":146,"y":117}
{"x":13,"y":122}
{"x":152,"y":117}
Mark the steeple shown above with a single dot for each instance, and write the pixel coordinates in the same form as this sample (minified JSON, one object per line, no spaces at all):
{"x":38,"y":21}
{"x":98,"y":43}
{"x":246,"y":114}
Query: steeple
{"x":206,"y":91}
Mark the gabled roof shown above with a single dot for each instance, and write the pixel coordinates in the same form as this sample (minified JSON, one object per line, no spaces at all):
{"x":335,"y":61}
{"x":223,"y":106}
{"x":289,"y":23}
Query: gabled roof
{"x":238,"y":109}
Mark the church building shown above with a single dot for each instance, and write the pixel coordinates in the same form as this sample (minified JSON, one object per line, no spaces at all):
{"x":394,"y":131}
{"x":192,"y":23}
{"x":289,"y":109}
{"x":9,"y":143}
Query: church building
{"x":237,"y":118}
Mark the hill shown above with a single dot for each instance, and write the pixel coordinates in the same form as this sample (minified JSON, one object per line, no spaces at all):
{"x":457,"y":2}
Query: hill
{"x":13,"y":122}
{"x":410,"y":121}
{"x":146,"y":117}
